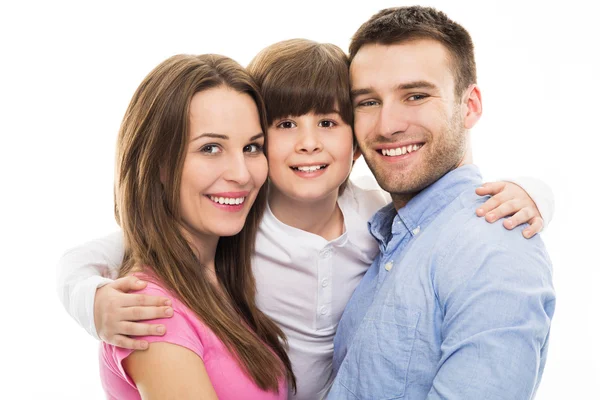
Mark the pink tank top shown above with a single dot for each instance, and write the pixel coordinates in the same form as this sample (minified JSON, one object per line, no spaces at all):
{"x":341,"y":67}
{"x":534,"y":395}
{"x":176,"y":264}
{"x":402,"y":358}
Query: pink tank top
{"x":185,"y":329}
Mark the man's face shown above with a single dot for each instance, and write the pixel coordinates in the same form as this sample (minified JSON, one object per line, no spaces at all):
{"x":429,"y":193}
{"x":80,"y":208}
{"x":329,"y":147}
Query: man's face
{"x":409,"y":125}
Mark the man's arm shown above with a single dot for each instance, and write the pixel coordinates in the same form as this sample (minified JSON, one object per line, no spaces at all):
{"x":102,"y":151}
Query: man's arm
{"x":497,"y":300}
{"x":100,"y":305}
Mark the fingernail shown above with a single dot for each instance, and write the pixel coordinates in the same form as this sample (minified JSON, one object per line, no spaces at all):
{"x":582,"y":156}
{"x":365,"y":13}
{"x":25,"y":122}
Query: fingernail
{"x":491,"y":217}
{"x":480,"y":211}
{"x":527,"y":233}
{"x":169,"y":311}
{"x":160,"y":329}
{"x":509,"y":223}
{"x":167,"y":302}
{"x":144,"y":345}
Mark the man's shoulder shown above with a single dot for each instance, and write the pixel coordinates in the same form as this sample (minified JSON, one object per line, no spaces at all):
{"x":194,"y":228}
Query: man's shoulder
{"x":459,"y":229}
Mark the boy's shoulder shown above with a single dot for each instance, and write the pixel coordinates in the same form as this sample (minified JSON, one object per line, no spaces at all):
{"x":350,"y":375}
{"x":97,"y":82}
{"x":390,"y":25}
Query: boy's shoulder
{"x":366,"y":195}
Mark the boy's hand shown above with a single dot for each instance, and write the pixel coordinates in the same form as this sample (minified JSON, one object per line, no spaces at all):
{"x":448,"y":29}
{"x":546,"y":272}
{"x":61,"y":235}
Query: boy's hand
{"x":510,"y":199}
{"x":116,"y":312}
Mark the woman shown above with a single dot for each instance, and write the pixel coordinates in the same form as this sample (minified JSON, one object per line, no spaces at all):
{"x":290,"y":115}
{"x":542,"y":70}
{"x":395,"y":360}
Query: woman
{"x":189,"y":196}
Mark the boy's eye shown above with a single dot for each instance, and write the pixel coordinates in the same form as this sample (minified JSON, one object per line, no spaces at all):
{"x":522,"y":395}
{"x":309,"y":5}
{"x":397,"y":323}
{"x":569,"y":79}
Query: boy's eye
{"x":327,"y":124}
{"x":286,"y":125}
{"x":210,"y":149}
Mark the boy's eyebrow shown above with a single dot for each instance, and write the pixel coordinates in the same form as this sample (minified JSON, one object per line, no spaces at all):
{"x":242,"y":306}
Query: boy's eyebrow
{"x":401,"y":86}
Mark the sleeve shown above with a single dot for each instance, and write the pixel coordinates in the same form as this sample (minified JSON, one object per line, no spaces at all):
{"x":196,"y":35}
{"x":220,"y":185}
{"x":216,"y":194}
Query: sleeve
{"x":83,"y":269}
{"x":540,"y":193}
{"x":182,"y":329}
{"x":497,"y":302}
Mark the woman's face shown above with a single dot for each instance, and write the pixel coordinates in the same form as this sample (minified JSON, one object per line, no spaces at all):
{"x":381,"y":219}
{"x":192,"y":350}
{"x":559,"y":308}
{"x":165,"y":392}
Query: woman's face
{"x":225,"y":165}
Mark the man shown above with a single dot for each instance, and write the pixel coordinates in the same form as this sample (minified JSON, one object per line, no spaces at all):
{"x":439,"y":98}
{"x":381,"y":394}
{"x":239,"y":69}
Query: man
{"x":452,"y":308}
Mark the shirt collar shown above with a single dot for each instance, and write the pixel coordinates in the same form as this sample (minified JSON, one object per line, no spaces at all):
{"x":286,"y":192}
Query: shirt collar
{"x":422,"y":208}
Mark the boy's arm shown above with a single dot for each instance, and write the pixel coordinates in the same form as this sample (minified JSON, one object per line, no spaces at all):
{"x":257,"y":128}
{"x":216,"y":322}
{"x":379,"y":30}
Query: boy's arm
{"x":101,"y":305}
{"x":527,"y":199}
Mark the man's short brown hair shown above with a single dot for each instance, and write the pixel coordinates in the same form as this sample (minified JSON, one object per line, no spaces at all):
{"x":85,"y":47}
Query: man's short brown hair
{"x":403,"y":24}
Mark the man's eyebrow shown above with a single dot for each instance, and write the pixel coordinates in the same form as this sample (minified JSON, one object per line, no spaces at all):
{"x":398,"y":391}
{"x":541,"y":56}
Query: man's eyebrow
{"x":415,"y":85}
{"x":401,"y":86}
{"x":359,"y":92}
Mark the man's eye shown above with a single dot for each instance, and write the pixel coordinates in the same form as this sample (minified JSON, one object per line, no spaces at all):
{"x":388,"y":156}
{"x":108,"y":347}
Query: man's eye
{"x":327,"y":124}
{"x":210,"y":149}
{"x":416,"y":97}
{"x":286,"y":125}
{"x":253,"y":148}
{"x":368,"y":103}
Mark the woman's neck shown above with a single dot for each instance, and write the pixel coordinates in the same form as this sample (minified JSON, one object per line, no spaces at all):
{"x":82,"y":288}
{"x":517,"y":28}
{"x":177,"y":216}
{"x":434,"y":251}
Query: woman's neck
{"x":204,"y":247}
{"x":321,"y":217}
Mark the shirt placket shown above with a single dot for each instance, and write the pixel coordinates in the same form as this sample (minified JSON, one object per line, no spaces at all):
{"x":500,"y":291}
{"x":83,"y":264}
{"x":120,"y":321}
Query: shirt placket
{"x":324,"y":288}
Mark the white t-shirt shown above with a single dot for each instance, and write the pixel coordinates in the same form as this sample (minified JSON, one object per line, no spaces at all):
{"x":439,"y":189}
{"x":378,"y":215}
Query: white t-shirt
{"x":303,"y":281}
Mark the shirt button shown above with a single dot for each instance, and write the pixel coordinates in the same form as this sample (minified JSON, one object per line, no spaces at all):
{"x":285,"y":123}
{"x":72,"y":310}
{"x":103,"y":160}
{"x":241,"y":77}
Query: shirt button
{"x":323,"y":310}
{"x":325,"y":253}
{"x":324,"y":282}
{"x":389,"y":265}
{"x":416,"y":230}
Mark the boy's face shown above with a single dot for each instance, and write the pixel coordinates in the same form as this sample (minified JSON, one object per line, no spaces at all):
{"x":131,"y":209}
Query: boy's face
{"x":310,"y":156}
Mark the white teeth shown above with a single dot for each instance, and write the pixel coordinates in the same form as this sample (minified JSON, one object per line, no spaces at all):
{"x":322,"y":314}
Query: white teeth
{"x":311,"y":168}
{"x":400,"y":150}
{"x":228,"y":200}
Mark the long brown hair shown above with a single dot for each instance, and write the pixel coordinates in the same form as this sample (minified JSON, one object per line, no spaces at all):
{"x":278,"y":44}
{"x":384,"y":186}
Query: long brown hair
{"x":152,"y":142}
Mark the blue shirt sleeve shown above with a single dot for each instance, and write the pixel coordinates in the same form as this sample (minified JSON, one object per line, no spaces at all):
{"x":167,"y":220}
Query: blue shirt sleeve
{"x":497,"y":300}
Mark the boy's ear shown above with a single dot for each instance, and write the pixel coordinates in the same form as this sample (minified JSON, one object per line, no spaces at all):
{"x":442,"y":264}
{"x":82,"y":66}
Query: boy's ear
{"x":357,"y":154}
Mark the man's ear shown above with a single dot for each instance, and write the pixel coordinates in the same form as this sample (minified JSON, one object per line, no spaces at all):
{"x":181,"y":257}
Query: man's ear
{"x":357,"y":154}
{"x":472,"y":105}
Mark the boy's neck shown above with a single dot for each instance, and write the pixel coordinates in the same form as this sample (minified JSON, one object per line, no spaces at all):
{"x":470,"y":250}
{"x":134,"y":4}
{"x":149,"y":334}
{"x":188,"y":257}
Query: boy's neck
{"x":321,"y":217}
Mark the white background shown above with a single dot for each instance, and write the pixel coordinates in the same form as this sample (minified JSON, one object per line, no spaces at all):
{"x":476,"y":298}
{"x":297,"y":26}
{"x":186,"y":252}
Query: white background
{"x":67,"y":73}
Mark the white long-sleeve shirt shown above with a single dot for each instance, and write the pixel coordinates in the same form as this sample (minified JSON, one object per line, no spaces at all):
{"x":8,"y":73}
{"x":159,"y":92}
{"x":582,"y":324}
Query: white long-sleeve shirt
{"x":303,"y":280}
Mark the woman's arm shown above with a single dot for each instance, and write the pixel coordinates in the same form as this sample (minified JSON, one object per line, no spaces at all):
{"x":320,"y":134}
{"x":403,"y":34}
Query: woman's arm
{"x":169,"y":371}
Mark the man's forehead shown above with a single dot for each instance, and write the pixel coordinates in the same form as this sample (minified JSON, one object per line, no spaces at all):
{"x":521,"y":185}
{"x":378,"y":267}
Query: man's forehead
{"x":396,"y":64}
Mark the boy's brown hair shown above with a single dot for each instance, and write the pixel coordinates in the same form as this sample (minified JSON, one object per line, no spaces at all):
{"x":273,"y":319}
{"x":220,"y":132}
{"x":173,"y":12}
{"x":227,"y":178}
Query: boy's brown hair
{"x":299,"y":76}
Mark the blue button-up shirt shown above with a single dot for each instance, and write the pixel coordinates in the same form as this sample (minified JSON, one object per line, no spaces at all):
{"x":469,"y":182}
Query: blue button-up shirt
{"x":452,"y":308}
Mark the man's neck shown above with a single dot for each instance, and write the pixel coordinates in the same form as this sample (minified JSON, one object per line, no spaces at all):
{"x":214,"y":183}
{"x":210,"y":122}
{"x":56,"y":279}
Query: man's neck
{"x":321,"y":217}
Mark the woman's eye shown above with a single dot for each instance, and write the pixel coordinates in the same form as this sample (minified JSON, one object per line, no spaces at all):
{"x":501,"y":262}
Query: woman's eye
{"x":210,"y":149}
{"x":327,"y":124}
{"x":253,"y":148}
{"x":286,"y":125}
